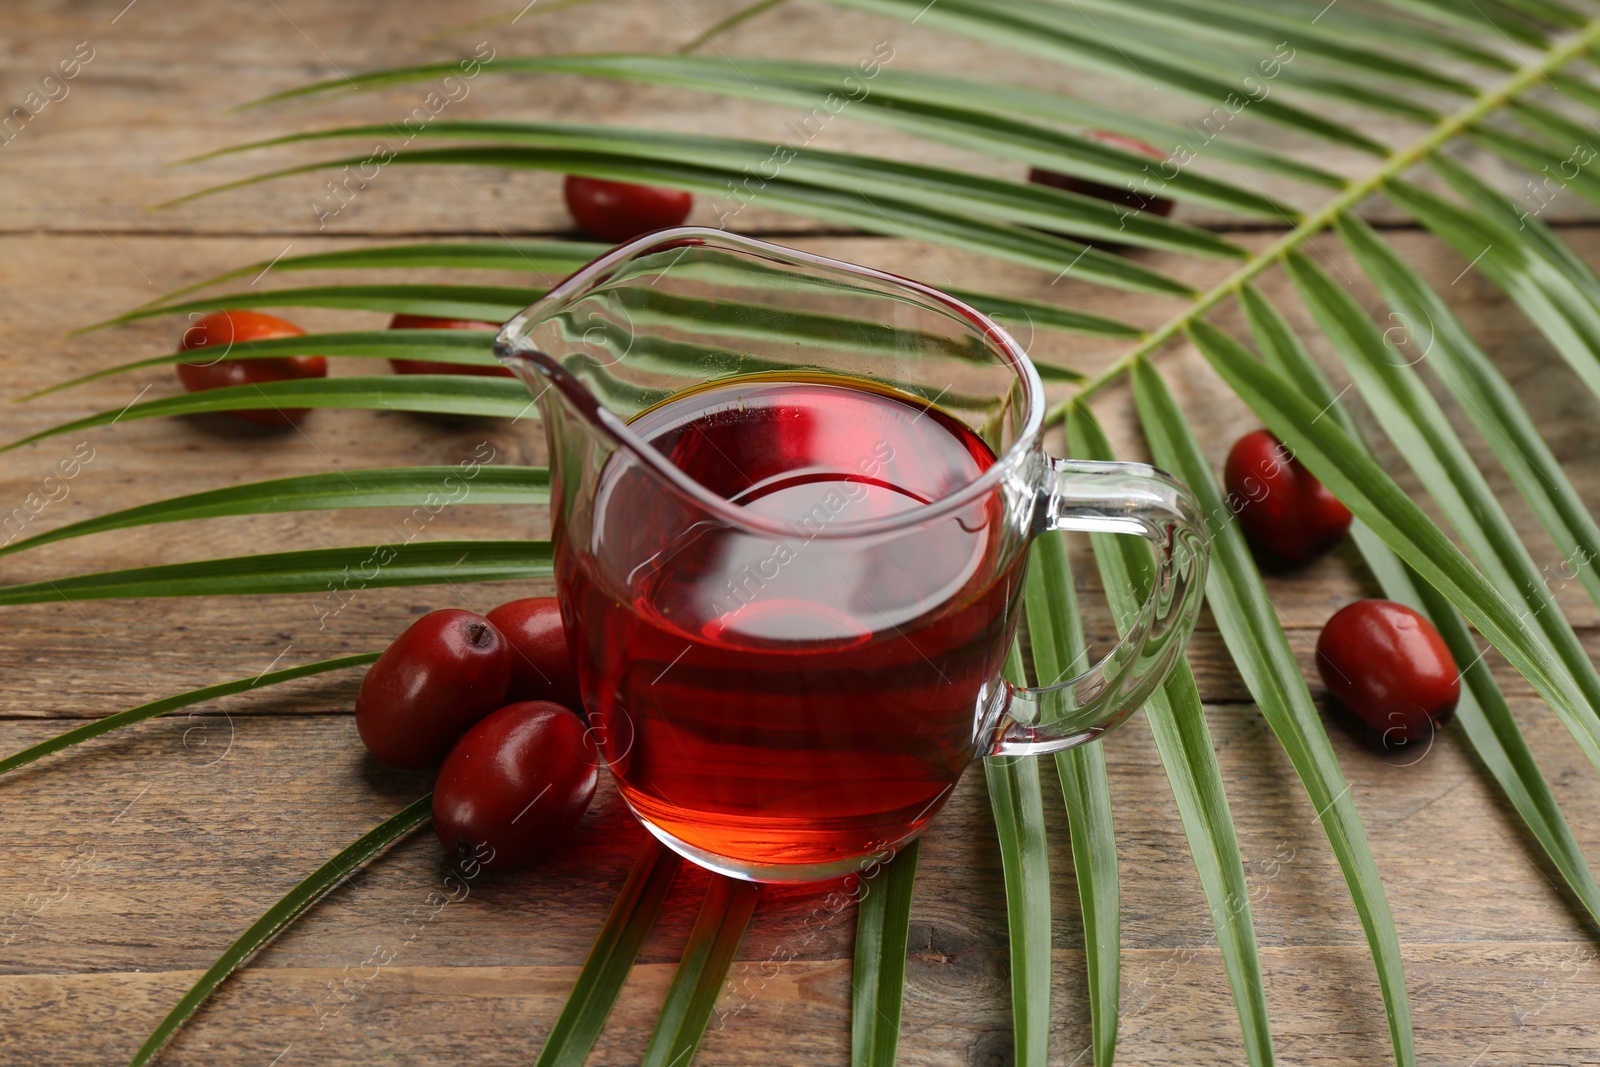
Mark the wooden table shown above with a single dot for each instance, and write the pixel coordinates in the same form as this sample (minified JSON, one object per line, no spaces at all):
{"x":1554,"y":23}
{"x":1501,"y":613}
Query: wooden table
{"x":127,"y":865}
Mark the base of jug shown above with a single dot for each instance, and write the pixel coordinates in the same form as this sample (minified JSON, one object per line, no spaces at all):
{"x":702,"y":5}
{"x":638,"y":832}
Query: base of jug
{"x":780,"y":873}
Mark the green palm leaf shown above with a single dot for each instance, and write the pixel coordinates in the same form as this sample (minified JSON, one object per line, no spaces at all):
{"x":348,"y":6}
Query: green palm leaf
{"x":1533,"y":154}
{"x":704,"y":967}
{"x":1016,"y":799}
{"x":877,"y":979}
{"x":558,"y":258}
{"x":484,"y":303}
{"x":317,"y":570}
{"x":611,"y":958}
{"x":1482,"y":709}
{"x":1346,"y":468}
{"x":1487,"y":399}
{"x":1250,"y":627}
{"x":88,"y":730}
{"x":467,"y":347}
{"x":1055,"y":637}
{"x":1418,"y":426}
{"x":446,"y":394}
{"x":393,"y":487}
{"x":561,"y":257}
{"x":321,"y":882}
{"x":1184,"y":742}
{"x":1041,"y":29}
{"x":1474,"y":16}
{"x":1549,"y":297}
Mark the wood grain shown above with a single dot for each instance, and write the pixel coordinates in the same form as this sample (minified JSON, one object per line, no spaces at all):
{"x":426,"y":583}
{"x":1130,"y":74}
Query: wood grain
{"x":128,"y":864}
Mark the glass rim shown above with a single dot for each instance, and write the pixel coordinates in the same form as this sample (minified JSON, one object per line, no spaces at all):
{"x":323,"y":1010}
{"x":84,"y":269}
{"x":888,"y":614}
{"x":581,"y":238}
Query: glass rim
{"x":512,"y":351}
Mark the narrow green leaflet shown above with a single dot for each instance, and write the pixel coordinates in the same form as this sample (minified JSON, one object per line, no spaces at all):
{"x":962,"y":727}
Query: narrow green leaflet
{"x":1016,"y":798}
{"x":1546,"y":11}
{"x":1184,"y":742}
{"x":1346,"y":468}
{"x":1383,"y":27}
{"x":846,"y":205}
{"x":722,"y":26}
{"x":1556,"y":299}
{"x":1560,"y":287}
{"x":1055,"y":637}
{"x":1269,"y":23}
{"x":1255,"y":32}
{"x":1012,"y":311}
{"x":1482,"y":710}
{"x":1474,"y":17}
{"x":97,"y":727}
{"x":338,"y":572}
{"x":448,"y":394}
{"x":1036,"y":27}
{"x":701,"y":971}
{"x":1416,"y":423}
{"x":466,"y":347}
{"x":1251,"y":629}
{"x":611,"y":958}
{"x":1536,"y":156}
{"x":291,"y":907}
{"x":1549,"y":298}
{"x":547,"y":258}
{"x":1576,"y":87}
{"x":1488,"y":400}
{"x":1541,"y":240}
{"x":482,"y":303}
{"x":877,"y":981}
{"x":391,"y":487}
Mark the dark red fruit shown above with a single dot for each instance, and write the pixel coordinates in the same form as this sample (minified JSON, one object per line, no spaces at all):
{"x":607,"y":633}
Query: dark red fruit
{"x":1282,"y":508}
{"x":618,"y":211}
{"x":428,"y":366}
{"x":541,"y":665}
{"x":1389,"y":666}
{"x":220,"y":331}
{"x":1139,"y":197}
{"x":515,"y":784}
{"x":448,"y":670}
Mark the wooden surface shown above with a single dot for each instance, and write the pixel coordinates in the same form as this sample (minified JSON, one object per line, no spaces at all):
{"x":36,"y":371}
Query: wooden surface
{"x":127,"y":865}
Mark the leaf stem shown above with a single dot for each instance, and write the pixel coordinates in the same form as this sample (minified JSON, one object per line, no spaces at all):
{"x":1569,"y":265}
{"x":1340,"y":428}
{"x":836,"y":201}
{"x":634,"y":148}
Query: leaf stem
{"x":1524,"y":78}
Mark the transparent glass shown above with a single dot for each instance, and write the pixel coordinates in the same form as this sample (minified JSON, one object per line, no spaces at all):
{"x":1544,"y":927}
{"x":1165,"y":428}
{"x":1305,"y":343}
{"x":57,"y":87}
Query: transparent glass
{"x":792,"y":501}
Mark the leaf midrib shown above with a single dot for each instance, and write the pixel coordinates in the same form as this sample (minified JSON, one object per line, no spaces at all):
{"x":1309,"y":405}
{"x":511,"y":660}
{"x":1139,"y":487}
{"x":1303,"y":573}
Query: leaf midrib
{"x":1393,"y":166}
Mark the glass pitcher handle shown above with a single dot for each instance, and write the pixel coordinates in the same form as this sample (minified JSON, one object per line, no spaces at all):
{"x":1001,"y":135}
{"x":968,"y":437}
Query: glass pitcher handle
{"x":1118,"y":498}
